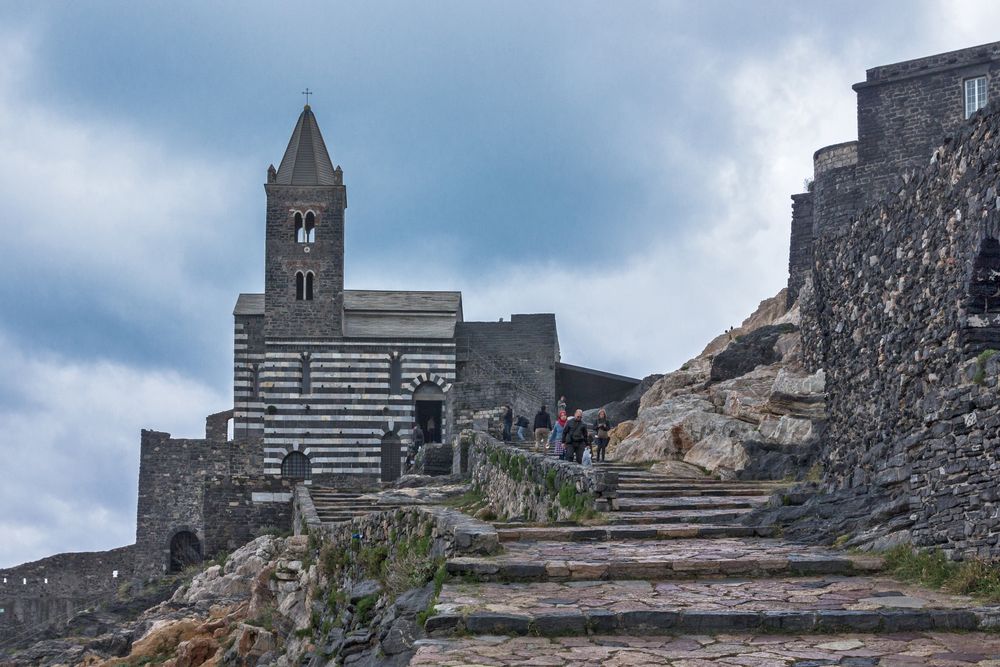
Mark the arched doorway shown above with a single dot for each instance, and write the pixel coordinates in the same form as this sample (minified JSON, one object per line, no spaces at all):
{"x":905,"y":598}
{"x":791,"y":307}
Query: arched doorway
{"x":428,"y":410}
{"x":392,"y":454}
{"x":296,"y":465}
{"x":185,"y":550}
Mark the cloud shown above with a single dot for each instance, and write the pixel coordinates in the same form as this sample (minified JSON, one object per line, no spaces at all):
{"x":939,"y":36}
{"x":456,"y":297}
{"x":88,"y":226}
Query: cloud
{"x":70,"y":446}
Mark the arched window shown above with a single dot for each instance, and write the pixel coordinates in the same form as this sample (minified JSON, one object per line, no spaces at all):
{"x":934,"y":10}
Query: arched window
{"x":395,"y":373}
{"x":296,"y":466}
{"x":300,"y":232}
{"x":306,"y":362}
{"x":310,"y":229}
{"x":309,"y":286}
{"x":300,"y":286}
{"x":185,"y":550}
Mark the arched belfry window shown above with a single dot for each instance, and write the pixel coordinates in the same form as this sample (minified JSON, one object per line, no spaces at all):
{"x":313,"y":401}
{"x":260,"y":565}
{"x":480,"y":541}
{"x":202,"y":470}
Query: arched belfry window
{"x":300,"y":286}
{"x":309,"y":286}
{"x":306,"y":362}
{"x":310,"y":228}
{"x":300,"y":231}
{"x":296,"y":466}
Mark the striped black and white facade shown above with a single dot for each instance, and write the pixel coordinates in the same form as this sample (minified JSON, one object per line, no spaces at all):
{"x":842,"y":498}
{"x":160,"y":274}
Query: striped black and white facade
{"x":334,"y":380}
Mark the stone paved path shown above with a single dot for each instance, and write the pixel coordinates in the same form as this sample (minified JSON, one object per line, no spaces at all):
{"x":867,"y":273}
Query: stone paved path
{"x":902,"y":650}
{"x":672,"y":577}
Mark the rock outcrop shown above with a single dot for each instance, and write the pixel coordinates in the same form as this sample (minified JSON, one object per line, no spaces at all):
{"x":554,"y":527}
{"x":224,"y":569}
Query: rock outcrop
{"x":743,"y":408}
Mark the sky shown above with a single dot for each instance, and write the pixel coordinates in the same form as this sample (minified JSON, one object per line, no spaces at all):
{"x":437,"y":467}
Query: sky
{"x":627,"y":166}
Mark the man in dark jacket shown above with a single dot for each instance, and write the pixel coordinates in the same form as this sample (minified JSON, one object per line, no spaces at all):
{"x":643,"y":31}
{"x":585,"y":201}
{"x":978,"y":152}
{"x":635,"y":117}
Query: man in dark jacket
{"x":508,"y":423}
{"x":543,"y":426}
{"x":576,"y":437}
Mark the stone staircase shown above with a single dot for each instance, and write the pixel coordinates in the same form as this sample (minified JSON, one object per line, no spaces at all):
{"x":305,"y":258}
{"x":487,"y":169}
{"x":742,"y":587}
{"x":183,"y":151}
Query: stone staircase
{"x":675,"y":577}
{"x":335,"y":506}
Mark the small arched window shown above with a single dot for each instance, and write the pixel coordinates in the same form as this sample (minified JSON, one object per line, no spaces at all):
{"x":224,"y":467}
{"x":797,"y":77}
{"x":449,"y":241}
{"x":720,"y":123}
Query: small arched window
{"x":300,"y":286}
{"x":306,"y":361}
{"x":309,"y":286}
{"x":300,"y":232}
{"x":310,"y":228}
{"x":296,"y":466}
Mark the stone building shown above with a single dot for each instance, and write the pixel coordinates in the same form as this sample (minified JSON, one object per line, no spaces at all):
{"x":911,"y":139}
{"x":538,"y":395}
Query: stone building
{"x":895,"y":261}
{"x":329,"y":382}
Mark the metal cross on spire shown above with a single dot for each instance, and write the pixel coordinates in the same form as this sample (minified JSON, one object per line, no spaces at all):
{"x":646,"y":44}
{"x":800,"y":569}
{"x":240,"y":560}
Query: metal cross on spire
{"x":307,"y":93}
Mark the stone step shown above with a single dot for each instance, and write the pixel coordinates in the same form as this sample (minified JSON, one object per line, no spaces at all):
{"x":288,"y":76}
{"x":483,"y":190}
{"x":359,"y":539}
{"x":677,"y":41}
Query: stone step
{"x":668,"y":531}
{"x":914,"y":649}
{"x":665,"y":559}
{"x":708,"y":515}
{"x":682,"y":492}
{"x":689,"y":503}
{"x":810,"y":604}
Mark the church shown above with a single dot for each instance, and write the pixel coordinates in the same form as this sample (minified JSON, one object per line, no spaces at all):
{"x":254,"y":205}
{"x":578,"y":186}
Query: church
{"x":331,"y":381}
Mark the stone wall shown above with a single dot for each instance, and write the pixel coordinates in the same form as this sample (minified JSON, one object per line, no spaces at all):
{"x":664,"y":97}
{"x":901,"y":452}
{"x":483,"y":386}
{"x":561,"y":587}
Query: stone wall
{"x":505,"y":362}
{"x":534,"y":487}
{"x":36,"y":595}
{"x":800,"y":246}
{"x":896,"y":314}
{"x":213,"y":488}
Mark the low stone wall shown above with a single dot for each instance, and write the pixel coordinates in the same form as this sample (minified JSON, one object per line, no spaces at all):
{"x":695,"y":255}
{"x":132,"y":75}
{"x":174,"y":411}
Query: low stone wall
{"x":531,"y":486}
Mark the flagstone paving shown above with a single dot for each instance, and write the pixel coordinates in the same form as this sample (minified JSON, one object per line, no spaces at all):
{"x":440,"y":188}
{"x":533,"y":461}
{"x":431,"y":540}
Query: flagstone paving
{"x":731,"y":650}
{"x":669,"y":577}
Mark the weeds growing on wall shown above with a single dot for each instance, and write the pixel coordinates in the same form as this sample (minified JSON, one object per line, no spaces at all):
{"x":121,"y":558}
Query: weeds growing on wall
{"x":930,"y":567}
{"x":984,"y":356}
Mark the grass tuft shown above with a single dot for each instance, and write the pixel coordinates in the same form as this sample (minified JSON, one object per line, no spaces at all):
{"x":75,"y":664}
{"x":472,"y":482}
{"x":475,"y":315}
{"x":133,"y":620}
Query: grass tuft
{"x":976,"y":577}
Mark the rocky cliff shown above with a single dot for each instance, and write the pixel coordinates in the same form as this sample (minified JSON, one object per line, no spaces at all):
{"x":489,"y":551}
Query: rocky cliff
{"x":745,"y":407}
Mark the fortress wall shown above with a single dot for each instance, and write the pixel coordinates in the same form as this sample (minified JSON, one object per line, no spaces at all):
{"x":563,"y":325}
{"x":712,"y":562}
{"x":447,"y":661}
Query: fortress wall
{"x":913,"y":416}
{"x":800,"y":245}
{"x":506,"y":362}
{"x":51,"y":590}
{"x":248,"y":353}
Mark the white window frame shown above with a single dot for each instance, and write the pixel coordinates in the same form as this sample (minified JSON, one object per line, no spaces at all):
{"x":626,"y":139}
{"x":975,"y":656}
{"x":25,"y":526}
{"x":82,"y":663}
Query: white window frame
{"x":974,"y":94}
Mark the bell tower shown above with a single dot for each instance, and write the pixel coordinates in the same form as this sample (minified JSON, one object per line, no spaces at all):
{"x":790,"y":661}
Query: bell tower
{"x":304,"y":252}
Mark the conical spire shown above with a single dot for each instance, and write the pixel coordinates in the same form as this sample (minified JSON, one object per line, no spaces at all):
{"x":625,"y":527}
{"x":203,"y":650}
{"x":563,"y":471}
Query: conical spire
{"x":306,"y":161}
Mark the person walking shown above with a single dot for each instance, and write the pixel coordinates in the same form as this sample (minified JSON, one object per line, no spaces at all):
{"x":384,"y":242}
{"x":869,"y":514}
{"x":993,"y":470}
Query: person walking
{"x":508,"y":423}
{"x":561,"y":405}
{"x":575,"y":437}
{"x":522,"y":425}
{"x":416,"y":442}
{"x":543,"y":426}
{"x":431,"y":430}
{"x":603,"y":428}
{"x":556,"y":436}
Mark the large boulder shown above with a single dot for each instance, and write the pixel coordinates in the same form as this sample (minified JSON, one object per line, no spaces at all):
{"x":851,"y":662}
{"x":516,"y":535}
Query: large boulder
{"x":746,"y":353}
{"x":718,"y":452}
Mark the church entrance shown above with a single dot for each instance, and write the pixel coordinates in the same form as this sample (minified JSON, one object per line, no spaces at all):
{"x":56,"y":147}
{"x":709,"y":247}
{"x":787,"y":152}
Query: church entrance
{"x":185,"y":550}
{"x":392,"y":453}
{"x":428,"y":410}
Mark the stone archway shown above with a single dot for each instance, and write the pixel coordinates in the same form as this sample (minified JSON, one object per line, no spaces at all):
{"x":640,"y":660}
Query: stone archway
{"x":185,"y":550}
{"x":428,"y":410}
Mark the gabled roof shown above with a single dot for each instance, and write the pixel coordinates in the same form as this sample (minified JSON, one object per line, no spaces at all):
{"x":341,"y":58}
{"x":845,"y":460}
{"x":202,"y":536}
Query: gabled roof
{"x":403,"y":301}
{"x":249,"y":304}
{"x":306,"y":160}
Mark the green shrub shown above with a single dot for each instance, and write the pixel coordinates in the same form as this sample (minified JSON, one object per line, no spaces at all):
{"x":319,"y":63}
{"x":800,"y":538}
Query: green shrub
{"x":976,"y":577}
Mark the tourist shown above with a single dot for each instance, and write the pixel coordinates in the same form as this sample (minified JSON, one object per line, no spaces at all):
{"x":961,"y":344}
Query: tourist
{"x":588,"y":457}
{"x":602,"y":427}
{"x":575,"y":436}
{"x":543,"y":426}
{"x":522,"y":425}
{"x":508,"y":423}
{"x":416,"y":442}
{"x":561,"y":406}
{"x":431,"y":430}
{"x":555,"y":437}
